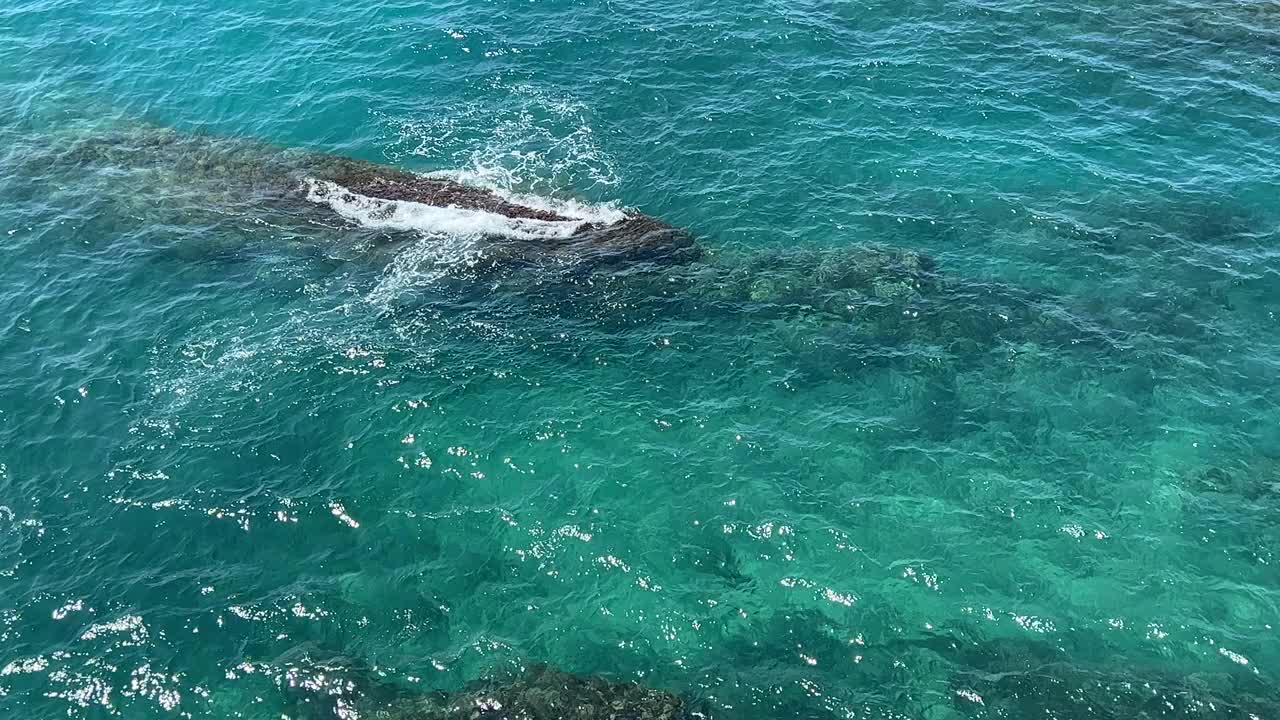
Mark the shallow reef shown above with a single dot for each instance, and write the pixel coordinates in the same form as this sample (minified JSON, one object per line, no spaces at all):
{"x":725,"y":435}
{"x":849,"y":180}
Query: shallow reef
{"x":1077,"y":677}
{"x":225,"y":174}
{"x":541,"y":693}
{"x":829,"y":302}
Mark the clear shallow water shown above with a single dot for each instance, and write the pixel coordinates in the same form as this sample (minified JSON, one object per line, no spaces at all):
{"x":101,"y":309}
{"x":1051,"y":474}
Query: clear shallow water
{"x":243,"y":447}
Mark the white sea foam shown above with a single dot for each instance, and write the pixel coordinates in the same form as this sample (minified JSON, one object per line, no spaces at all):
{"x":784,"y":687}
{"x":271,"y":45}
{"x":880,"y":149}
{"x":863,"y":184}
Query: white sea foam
{"x":491,"y":179}
{"x":536,"y":141}
{"x":536,"y":138}
{"x":450,"y":236}
{"x":423,"y":263}
{"x":434,"y":220}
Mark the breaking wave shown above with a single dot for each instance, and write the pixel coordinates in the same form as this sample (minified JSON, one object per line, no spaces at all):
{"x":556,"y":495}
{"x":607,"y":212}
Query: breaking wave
{"x":433,"y":220}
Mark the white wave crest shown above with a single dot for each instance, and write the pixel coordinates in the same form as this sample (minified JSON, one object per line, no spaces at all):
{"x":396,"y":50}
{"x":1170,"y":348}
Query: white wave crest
{"x":451,"y":238}
{"x":491,"y":179}
{"x":434,"y":220}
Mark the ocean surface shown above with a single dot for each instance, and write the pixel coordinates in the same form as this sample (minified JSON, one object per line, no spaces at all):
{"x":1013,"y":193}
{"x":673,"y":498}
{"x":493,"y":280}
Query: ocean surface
{"x":264,"y":464}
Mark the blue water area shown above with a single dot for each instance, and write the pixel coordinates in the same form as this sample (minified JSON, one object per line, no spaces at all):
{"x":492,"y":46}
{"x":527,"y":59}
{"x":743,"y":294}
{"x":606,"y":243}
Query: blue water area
{"x":967,"y":409}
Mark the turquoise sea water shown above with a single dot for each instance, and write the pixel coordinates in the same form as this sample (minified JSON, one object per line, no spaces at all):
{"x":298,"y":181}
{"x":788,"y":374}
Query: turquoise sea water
{"x":257,"y":464}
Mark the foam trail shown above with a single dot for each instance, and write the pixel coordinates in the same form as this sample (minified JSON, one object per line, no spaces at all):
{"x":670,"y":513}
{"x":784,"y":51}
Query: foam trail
{"x":434,"y":220}
{"x":421,"y":264}
{"x":598,"y":214}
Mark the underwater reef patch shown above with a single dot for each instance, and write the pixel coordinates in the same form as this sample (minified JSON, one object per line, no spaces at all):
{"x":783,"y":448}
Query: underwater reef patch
{"x":542,"y":692}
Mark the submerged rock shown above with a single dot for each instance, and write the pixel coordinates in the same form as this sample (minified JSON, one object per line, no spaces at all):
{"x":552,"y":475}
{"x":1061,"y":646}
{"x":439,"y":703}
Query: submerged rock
{"x":607,"y":262}
{"x":1077,"y":677}
{"x":542,"y":693}
{"x":202,"y":174}
{"x":859,"y":270}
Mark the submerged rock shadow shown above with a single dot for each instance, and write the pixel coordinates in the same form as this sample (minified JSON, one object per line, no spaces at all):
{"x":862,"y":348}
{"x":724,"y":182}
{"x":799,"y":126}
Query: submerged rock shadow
{"x":536,"y":692}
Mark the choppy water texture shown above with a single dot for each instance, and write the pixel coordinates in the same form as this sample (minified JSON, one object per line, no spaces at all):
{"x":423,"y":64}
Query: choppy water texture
{"x":259,"y":461}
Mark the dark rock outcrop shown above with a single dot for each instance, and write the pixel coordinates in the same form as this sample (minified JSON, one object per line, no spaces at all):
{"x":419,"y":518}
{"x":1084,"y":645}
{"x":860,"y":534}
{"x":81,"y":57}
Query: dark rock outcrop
{"x":634,"y":238}
{"x":388,"y":183}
